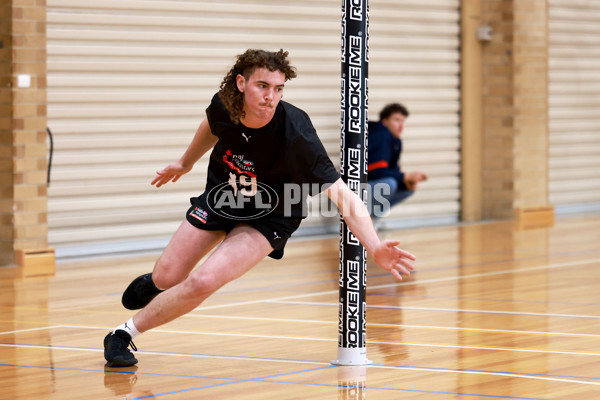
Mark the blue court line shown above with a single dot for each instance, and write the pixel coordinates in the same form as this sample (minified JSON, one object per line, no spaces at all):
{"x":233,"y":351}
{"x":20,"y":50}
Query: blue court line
{"x":430,"y":369}
{"x":230,"y":380}
{"x":114,"y":371}
{"x":493,"y":396}
{"x":265,"y":379}
{"x":152,"y":352}
{"x":231,"y":383}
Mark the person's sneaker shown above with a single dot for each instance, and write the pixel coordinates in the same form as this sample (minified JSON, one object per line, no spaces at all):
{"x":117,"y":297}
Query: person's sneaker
{"x":116,"y":350}
{"x":140,"y":292}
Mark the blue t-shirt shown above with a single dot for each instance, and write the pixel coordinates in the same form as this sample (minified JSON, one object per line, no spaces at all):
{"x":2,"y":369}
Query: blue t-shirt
{"x":384,"y":153}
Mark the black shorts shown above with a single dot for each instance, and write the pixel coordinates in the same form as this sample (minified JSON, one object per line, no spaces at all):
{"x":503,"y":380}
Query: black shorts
{"x":276,"y":228}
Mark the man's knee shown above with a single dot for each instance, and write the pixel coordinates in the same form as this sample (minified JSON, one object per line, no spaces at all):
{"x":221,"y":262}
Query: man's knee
{"x":202,"y":284}
{"x":167,"y":274}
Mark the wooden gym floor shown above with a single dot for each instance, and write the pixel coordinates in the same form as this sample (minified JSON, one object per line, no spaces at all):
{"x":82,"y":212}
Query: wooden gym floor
{"x":493,"y":312}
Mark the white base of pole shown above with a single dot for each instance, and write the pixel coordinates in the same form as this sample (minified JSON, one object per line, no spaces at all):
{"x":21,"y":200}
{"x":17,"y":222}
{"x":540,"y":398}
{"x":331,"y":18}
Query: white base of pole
{"x":355,"y":356}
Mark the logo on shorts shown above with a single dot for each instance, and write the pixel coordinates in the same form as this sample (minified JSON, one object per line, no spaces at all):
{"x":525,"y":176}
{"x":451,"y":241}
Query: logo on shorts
{"x":199,"y":214}
{"x":242,"y":198}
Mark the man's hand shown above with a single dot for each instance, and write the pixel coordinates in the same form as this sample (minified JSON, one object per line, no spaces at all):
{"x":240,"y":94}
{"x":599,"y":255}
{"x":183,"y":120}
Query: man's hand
{"x":412,"y":179}
{"x":171,"y":173}
{"x":385,"y":253}
{"x":393,"y":259}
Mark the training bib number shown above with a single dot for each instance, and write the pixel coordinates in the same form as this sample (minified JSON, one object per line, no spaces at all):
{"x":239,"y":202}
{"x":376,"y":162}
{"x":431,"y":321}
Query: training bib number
{"x":248,"y":186}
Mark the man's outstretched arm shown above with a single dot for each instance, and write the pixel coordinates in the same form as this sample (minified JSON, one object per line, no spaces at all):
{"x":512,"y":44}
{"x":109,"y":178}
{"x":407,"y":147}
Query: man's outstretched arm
{"x":203,"y":141}
{"x":385,"y":253}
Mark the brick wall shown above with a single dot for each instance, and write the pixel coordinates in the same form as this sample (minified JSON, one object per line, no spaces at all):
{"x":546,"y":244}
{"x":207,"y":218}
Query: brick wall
{"x":24,"y":202}
{"x":530,"y":55}
{"x":6,"y":148}
{"x":498,"y":111}
{"x":515,"y":93}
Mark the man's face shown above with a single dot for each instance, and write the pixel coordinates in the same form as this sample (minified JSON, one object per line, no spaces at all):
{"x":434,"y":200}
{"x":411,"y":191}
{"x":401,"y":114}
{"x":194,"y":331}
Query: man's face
{"x":262,"y":92}
{"x":395,"y":124}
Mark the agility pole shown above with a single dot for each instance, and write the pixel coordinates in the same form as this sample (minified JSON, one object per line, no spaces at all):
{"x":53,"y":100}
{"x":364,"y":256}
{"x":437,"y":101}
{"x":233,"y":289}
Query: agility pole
{"x":352,"y":348}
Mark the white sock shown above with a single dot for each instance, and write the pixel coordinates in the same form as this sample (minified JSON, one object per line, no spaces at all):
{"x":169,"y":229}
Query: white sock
{"x":129,"y":327}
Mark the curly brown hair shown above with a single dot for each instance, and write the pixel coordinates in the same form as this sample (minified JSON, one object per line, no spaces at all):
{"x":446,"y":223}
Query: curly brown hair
{"x":245,"y":65}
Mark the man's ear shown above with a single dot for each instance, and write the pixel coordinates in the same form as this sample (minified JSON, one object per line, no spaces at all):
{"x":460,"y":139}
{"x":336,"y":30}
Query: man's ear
{"x":241,"y":82}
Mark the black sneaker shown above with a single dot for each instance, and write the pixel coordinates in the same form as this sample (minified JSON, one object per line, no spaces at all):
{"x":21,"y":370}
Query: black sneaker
{"x":140,"y":292}
{"x":116,"y":350}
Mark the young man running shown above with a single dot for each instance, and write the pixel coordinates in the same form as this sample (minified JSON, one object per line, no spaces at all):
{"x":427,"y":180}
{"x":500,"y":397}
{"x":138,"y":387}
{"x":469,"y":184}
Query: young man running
{"x":260,"y":145}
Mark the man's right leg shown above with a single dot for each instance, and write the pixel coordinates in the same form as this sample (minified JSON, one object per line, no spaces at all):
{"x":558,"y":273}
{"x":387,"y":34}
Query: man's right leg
{"x":242,"y":248}
{"x":173,"y":266}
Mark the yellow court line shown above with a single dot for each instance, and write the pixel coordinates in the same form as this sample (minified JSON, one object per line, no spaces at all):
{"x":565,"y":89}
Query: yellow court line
{"x":382,"y":325}
{"x":491,"y":348}
{"x":29,"y":330}
{"x":276,"y":360}
{"x":411,"y":283}
{"x":67,"y":309}
{"x":12,"y":321}
{"x":330,"y":292}
{"x":374,"y":324}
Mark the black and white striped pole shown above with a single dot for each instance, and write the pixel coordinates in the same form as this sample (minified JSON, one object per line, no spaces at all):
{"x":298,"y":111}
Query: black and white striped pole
{"x":352,"y":348}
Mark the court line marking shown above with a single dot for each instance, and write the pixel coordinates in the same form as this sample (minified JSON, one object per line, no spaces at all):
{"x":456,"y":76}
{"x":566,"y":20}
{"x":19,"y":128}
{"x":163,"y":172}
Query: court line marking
{"x":327,"y":366}
{"x":397,"y":284}
{"x":167,"y":353}
{"x":427,"y":270}
{"x":231,"y":380}
{"x":491,"y":348}
{"x":372,"y":324}
{"x":116,"y":371}
{"x":479,"y":299}
{"x":30,"y":329}
{"x":494,"y":396}
{"x":259,"y":379}
{"x":369,"y":324}
{"x":461,"y":310}
{"x":382,"y":325}
{"x":266,"y":379}
{"x":416,"y":282}
{"x":458,"y":370}
{"x":384,"y":366}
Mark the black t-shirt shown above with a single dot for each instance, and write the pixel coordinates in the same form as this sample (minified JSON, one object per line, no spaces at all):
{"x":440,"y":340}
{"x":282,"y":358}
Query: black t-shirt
{"x":254,"y":172}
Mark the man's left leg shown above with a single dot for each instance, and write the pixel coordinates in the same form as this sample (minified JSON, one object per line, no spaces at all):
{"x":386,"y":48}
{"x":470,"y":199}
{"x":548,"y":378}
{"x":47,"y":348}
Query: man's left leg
{"x":241,"y":249}
{"x":187,"y":246}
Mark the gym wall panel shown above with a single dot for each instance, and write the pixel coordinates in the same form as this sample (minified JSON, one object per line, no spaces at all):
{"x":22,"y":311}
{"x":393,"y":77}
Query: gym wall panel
{"x":128,"y":83}
{"x":574,"y":75}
